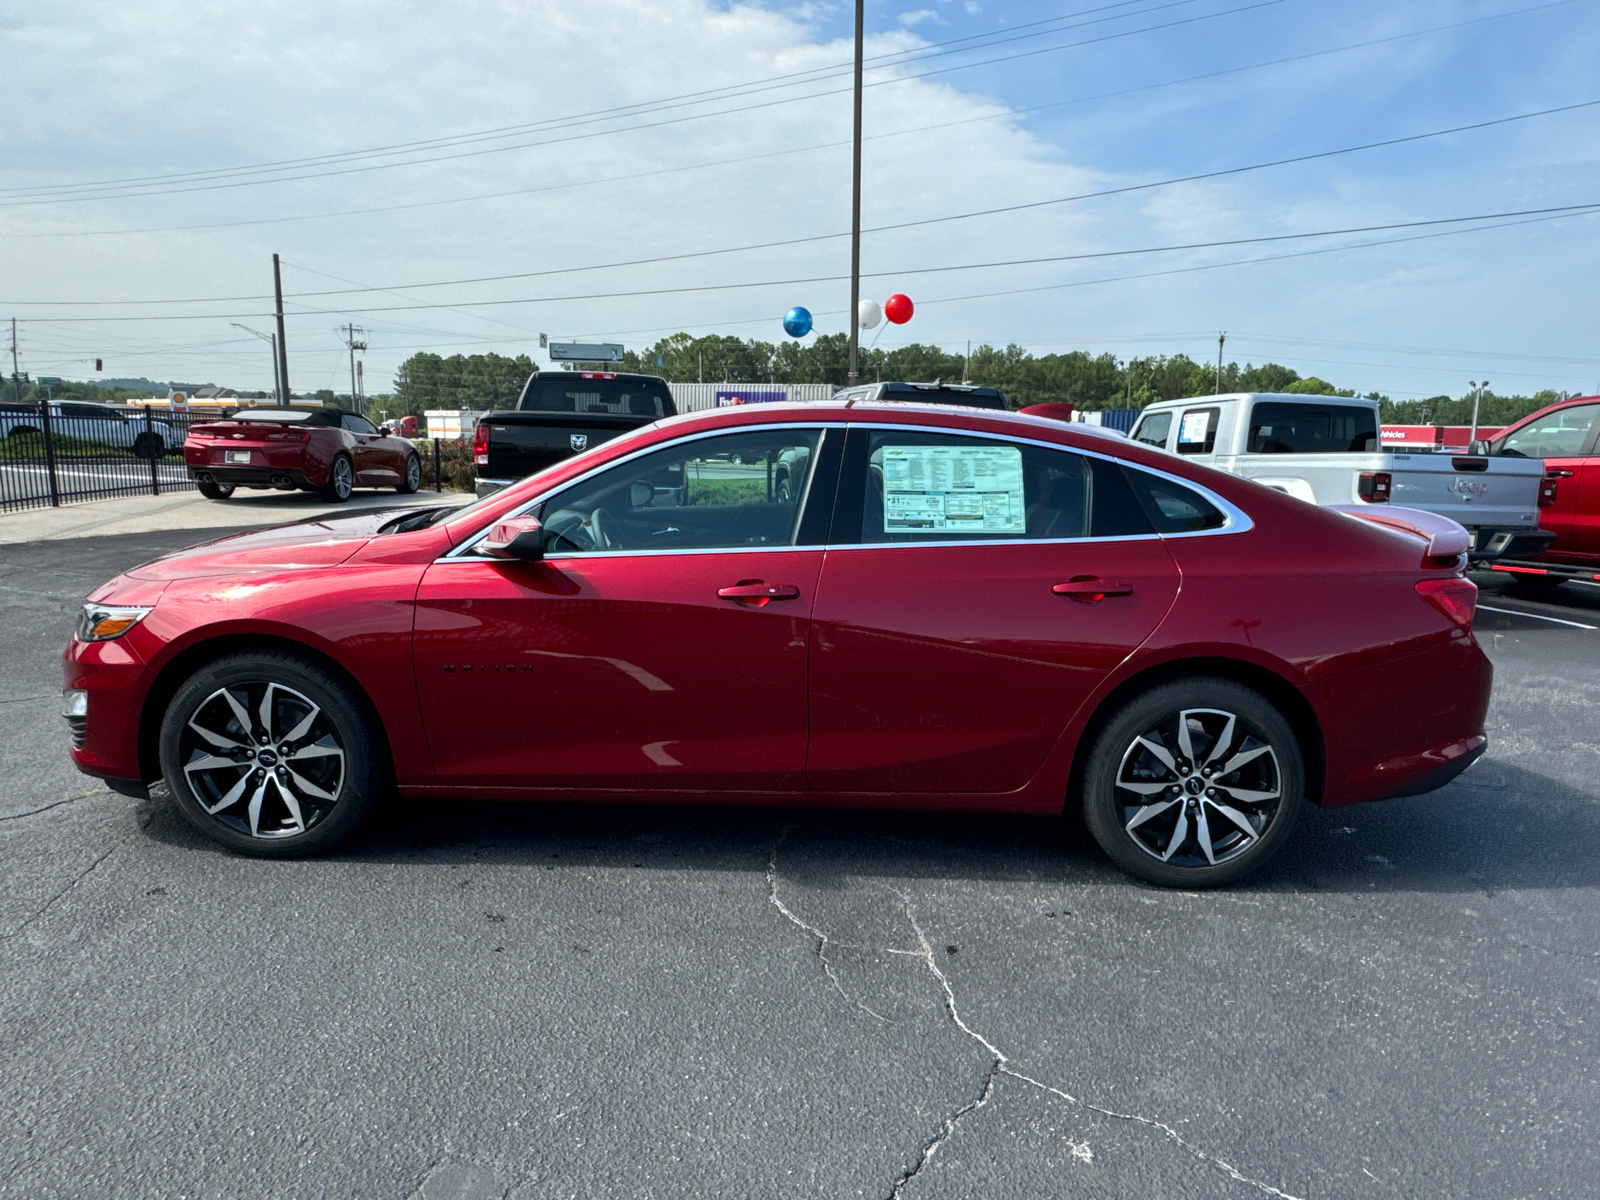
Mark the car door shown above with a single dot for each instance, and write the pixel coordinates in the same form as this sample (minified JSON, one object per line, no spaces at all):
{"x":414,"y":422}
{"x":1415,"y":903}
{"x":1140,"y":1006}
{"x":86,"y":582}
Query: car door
{"x":367,"y":454}
{"x":1560,"y":438}
{"x":1586,"y":518}
{"x":662,"y":641}
{"x":975,"y":592}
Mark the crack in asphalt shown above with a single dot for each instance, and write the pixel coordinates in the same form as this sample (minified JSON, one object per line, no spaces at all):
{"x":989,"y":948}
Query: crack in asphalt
{"x":76,"y":880}
{"x":34,"y":812}
{"x":1002,"y":1062}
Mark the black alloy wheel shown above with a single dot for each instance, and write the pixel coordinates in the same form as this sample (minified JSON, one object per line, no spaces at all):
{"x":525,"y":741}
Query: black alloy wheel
{"x":341,"y":480}
{"x":413,"y":476}
{"x":1194,"y":783}
{"x":269,"y":755}
{"x":214,"y":491}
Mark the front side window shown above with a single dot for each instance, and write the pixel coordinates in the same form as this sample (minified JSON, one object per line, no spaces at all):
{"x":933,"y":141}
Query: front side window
{"x":1560,"y":434}
{"x":1278,"y":427}
{"x":1197,"y":431}
{"x":931,"y":487}
{"x":354,"y":423}
{"x":735,"y":491}
{"x":1153,"y":430}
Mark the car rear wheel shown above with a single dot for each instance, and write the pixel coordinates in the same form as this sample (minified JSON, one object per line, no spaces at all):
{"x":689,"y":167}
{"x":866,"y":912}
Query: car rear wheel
{"x":269,"y":755}
{"x":149,"y":445}
{"x":214,"y":491}
{"x":413,"y":476}
{"x":341,"y":480}
{"x":1194,"y":783}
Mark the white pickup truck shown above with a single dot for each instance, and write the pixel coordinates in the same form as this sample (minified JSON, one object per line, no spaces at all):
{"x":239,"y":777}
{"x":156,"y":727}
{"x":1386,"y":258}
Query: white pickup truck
{"x":1325,"y":450}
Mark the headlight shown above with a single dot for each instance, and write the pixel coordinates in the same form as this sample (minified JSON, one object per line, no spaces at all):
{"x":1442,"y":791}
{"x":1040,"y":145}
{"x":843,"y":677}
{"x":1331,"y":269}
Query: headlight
{"x":102,"y":622}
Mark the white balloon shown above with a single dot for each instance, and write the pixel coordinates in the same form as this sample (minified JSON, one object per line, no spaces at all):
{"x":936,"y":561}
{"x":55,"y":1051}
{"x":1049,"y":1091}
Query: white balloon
{"x":869,"y":313}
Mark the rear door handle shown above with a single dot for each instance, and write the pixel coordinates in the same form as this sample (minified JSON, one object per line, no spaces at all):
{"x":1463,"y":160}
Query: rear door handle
{"x":757,"y":593}
{"x":1086,"y":589}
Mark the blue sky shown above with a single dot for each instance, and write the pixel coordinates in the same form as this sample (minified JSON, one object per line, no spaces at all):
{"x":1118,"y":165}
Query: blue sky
{"x":107,"y":91}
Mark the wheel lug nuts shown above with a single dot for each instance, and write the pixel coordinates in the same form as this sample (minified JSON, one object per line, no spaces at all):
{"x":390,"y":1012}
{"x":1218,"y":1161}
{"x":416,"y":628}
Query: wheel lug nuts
{"x":1212,"y":792}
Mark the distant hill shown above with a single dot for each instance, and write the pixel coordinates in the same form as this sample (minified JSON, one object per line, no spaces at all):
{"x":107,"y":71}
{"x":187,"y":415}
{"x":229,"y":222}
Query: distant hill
{"x":133,"y":385}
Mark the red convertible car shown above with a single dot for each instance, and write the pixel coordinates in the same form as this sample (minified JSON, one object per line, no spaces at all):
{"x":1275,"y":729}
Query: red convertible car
{"x":317,"y":449}
{"x":945,"y":609}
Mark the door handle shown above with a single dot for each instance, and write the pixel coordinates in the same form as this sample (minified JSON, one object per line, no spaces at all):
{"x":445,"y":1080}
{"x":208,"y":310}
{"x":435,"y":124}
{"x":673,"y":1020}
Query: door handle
{"x":1558,"y":473}
{"x":753,"y":591}
{"x":1087,"y":589}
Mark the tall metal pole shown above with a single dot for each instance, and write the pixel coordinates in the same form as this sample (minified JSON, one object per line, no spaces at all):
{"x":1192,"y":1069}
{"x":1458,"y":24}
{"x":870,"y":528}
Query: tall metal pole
{"x":350,"y":338}
{"x":1221,"y":337}
{"x":1477,"y":396}
{"x":855,"y":206}
{"x":283,"y":346}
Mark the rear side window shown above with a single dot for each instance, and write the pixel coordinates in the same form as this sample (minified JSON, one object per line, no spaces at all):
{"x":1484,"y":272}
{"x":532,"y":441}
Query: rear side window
{"x":1171,"y":507}
{"x":927,"y":487}
{"x":1197,"y":431}
{"x":1278,"y":427}
{"x":1153,"y":430}
{"x":574,"y":393}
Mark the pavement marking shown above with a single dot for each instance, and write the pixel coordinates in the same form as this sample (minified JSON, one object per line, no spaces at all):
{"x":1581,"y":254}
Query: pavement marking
{"x":1517,"y":612}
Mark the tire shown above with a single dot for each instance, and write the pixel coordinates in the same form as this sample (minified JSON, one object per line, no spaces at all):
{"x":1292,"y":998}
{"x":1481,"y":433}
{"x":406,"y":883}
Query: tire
{"x":780,"y":490}
{"x":1209,"y":833}
{"x":218,"y":771}
{"x":149,"y":445}
{"x":412,"y":479}
{"x":214,"y":491}
{"x":341,"y":480}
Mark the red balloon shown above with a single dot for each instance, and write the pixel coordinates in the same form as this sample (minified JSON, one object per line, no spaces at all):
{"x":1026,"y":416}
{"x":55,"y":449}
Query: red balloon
{"x":898,"y":309}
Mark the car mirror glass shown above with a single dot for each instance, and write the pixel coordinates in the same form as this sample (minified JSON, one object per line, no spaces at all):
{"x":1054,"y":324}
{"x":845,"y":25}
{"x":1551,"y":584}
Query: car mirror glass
{"x":515,"y":538}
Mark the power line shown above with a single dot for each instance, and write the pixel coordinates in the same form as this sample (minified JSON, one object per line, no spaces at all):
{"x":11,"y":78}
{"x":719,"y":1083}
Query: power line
{"x":66,"y":196}
{"x":745,"y":159}
{"x":1591,"y":206}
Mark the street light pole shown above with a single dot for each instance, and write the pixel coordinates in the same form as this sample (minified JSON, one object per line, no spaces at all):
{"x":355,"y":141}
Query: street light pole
{"x":1477,"y":397}
{"x":855,"y":205}
{"x":277,"y":382}
{"x":283,"y":345}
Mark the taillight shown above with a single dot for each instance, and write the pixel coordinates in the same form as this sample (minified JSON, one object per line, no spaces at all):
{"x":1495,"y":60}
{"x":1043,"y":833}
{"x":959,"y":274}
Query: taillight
{"x":1547,"y":492}
{"x":1455,"y":597}
{"x":1374,"y":487}
{"x":480,"y":444}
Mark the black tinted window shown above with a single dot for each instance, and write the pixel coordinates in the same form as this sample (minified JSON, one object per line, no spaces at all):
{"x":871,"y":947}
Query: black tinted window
{"x":971,"y":397}
{"x":574,"y":393}
{"x":1279,"y":427}
{"x":357,"y":424}
{"x":1171,"y":507}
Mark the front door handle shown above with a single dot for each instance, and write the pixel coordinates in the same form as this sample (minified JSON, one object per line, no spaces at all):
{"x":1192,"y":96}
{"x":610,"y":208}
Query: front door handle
{"x":1088,"y":589}
{"x":753,"y":591}
{"x":1558,"y":473}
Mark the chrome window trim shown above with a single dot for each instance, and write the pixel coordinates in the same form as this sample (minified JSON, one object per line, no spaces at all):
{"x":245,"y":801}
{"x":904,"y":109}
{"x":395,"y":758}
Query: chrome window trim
{"x":1235,"y":519}
{"x":462,"y":551}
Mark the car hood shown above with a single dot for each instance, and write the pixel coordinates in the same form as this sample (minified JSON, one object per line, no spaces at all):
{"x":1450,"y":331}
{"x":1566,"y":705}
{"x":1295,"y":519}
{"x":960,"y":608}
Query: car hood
{"x":321,"y":542}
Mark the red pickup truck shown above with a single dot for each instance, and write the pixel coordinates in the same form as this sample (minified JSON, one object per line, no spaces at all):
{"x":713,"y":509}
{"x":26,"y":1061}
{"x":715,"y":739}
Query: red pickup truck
{"x":1565,"y":436}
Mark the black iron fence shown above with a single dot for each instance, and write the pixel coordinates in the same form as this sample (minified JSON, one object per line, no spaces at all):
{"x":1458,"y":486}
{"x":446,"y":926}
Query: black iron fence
{"x":62,"y":452}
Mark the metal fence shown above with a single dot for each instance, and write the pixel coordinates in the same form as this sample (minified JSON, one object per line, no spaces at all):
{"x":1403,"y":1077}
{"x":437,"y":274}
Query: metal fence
{"x":61,"y":452}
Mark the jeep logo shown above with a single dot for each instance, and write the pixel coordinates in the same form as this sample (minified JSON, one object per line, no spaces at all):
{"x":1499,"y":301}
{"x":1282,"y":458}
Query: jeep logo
{"x":1468,"y":488}
{"x":580,"y":441}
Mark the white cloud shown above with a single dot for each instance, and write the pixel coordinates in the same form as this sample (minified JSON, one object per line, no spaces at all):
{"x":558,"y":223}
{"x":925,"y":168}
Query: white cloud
{"x":912,"y":19}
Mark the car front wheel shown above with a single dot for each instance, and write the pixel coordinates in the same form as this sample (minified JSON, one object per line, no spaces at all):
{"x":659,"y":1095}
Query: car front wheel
{"x":269,"y":755}
{"x":1194,"y":783}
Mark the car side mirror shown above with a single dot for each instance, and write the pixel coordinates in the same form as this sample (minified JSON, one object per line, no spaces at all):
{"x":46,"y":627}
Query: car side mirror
{"x":1478,"y":447}
{"x":641,"y":494}
{"x":517,"y":538}
{"x":385,"y":431}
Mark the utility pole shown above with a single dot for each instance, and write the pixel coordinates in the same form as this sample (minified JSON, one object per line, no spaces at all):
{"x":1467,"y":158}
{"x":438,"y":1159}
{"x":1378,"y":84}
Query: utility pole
{"x":1221,"y":337}
{"x":16,"y":376}
{"x":855,"y":205}
{"x":1477,"y":396}
{"x":350,"y":340}
{"x":283,"y":346}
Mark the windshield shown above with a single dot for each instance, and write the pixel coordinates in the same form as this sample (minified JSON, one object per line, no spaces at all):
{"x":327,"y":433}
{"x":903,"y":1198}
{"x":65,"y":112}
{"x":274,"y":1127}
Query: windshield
{"x":572,"y":392}
{"x":290,"y":415}
{"x":944,"y":394}
{"x":1278,"y":427}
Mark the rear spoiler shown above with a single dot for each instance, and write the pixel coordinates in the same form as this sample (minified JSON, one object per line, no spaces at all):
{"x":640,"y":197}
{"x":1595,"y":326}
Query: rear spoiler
{"x":1443,"y":537}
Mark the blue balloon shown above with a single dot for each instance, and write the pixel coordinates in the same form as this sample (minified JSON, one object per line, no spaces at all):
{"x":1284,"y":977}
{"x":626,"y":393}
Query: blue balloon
{"x":797,"y":322}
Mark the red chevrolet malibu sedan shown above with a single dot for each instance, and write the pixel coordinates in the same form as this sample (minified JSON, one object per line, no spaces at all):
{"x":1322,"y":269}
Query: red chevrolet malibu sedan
{"x":944,"y":609}
{"x":311,"y":449}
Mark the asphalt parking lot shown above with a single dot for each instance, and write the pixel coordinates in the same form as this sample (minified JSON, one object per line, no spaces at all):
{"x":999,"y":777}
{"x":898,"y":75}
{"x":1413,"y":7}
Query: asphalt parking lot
{"x":480,"y":1000}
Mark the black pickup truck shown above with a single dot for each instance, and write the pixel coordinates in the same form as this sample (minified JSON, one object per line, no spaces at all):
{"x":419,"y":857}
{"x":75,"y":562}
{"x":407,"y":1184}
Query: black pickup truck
{"x":562,"y":413}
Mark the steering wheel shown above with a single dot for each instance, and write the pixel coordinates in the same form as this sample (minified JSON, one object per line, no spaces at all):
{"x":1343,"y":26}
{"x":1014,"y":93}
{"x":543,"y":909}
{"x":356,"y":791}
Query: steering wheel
{"x":597,"y":530}
{"x":571,"y":528}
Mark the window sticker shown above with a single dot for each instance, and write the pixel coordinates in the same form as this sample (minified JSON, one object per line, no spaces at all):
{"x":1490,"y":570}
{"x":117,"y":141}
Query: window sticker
{"x":1193,"y":429}
{"x":951,"y":489}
